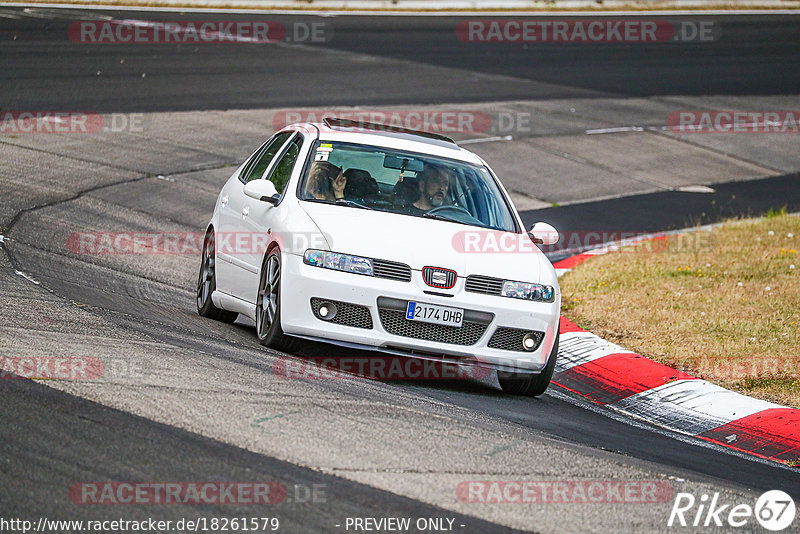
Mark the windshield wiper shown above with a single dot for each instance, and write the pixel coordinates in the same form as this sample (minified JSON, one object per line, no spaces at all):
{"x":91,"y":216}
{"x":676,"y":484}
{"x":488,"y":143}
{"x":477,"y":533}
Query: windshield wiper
{"x":340,"y":202}
{"x":438,"y":217}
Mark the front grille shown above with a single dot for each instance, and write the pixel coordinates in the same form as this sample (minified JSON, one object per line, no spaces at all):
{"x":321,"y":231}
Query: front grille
{"x":484,"y":284}
{"x":439,"y":277}
{"x":392,"y":313}
{"x":391,"y":270}
{"x":347,"y":314}
{"x":395,"y":322}
{"x":511,"y":339}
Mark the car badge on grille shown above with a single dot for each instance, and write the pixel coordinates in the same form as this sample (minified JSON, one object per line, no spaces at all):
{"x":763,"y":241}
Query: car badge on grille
{"x":439,"y":277}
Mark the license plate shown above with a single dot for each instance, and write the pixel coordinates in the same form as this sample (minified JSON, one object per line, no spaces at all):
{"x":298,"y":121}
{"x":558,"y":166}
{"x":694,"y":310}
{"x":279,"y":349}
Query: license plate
{"x":430,"y":313}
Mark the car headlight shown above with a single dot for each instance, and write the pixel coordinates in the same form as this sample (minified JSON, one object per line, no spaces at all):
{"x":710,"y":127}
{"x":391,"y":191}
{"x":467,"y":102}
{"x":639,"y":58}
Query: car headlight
{"x":338,"y":262}
{"x":524,"y":290}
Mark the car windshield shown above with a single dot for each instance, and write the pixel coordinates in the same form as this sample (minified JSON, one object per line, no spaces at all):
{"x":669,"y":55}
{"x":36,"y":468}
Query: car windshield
{"x":378,"y":178}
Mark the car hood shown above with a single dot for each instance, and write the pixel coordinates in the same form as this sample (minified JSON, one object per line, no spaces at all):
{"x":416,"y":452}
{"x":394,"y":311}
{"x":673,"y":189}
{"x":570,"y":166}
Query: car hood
{"x":422,"y":242}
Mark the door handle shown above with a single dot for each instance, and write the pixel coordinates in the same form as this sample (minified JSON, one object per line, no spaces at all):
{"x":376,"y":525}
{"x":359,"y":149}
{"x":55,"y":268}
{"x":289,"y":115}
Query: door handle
{"x":245,"y":211}
{"x":224,"y":201}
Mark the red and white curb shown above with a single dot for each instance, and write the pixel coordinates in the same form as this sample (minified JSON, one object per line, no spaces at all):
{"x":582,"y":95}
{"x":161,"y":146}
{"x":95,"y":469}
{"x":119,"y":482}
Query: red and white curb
{"x":609,"y":375}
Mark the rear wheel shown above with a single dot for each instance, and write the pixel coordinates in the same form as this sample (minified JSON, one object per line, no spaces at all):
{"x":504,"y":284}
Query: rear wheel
{"x":530,"y":384}
{"x":268,"y":306}
{"x":207,"y":283}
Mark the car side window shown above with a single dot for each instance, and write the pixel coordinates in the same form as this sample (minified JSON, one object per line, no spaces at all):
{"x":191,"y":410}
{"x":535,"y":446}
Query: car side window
{"x":261,"y":161}
{"x":283,"y":169}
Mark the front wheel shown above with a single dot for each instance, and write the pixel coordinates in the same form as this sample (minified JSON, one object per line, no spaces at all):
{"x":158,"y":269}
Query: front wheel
{"x":268,"y":306}
{"x":529,"y":384}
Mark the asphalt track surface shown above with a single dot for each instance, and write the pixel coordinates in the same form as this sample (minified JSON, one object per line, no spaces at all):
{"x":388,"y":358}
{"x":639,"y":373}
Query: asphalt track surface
{"x":130,"y":446}
{"x":50,"y":438}
{"x":40,"y":68}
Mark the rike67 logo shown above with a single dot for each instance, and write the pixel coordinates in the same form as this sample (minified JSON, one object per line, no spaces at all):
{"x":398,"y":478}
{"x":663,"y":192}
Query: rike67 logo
{"x":774,"y":510}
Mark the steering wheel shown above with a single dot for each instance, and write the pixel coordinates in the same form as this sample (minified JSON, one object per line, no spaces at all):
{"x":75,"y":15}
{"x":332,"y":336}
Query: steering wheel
{"x":459,"y":209}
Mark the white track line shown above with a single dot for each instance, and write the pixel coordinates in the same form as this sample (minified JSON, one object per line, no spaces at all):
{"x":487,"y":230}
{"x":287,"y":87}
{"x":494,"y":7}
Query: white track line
{"x":485,"y":140}
{"x":411,"y":13}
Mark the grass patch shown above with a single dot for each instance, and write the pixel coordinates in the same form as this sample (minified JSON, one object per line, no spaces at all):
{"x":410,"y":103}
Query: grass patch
{"x":772,"y":213}
{"x":722,"y":305}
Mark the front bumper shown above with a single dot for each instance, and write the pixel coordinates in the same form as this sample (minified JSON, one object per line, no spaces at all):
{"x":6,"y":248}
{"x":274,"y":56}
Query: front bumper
{"x":300,"y":283}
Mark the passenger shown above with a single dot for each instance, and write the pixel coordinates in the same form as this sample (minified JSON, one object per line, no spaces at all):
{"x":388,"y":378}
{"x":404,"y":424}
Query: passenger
{"x":361,"y":186}
{"x":325,"y":181}
{"x":434,"y":183}
{"x":405,"y":193}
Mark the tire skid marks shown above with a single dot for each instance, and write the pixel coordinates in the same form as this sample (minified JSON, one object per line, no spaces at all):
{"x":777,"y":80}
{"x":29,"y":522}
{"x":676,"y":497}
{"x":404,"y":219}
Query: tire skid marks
{"x":691,"y":406}
{"x":763,"y":434}
{"x":612,"y":378}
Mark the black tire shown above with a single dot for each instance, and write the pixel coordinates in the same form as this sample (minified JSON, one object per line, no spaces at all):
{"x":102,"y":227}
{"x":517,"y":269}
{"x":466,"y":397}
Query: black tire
{"x":268,"y":306}
{"x":529,"y":384}
{"x":207,"y":283}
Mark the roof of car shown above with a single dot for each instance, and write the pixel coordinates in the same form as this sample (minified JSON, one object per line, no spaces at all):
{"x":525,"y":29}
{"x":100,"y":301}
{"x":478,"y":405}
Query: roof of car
{"x":343,"y":124}
{"x":389,"y":136}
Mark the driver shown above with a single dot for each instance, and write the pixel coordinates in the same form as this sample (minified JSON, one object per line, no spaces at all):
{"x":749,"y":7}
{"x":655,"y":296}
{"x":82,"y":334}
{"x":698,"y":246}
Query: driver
{"x":434,"y":183}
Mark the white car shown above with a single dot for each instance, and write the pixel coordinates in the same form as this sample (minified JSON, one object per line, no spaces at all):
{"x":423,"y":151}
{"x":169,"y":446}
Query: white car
{"x":382,"y":238}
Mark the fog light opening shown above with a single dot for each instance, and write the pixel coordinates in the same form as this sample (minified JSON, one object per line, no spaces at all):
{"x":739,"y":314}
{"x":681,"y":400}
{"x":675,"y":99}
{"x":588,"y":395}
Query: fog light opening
{"x":529,"y":342}
{"x":327,"y":311}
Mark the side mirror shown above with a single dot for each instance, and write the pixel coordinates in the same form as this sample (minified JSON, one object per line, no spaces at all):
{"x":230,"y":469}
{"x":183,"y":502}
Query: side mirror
{"x":262,"y":190}
{"x":544,"y":234}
